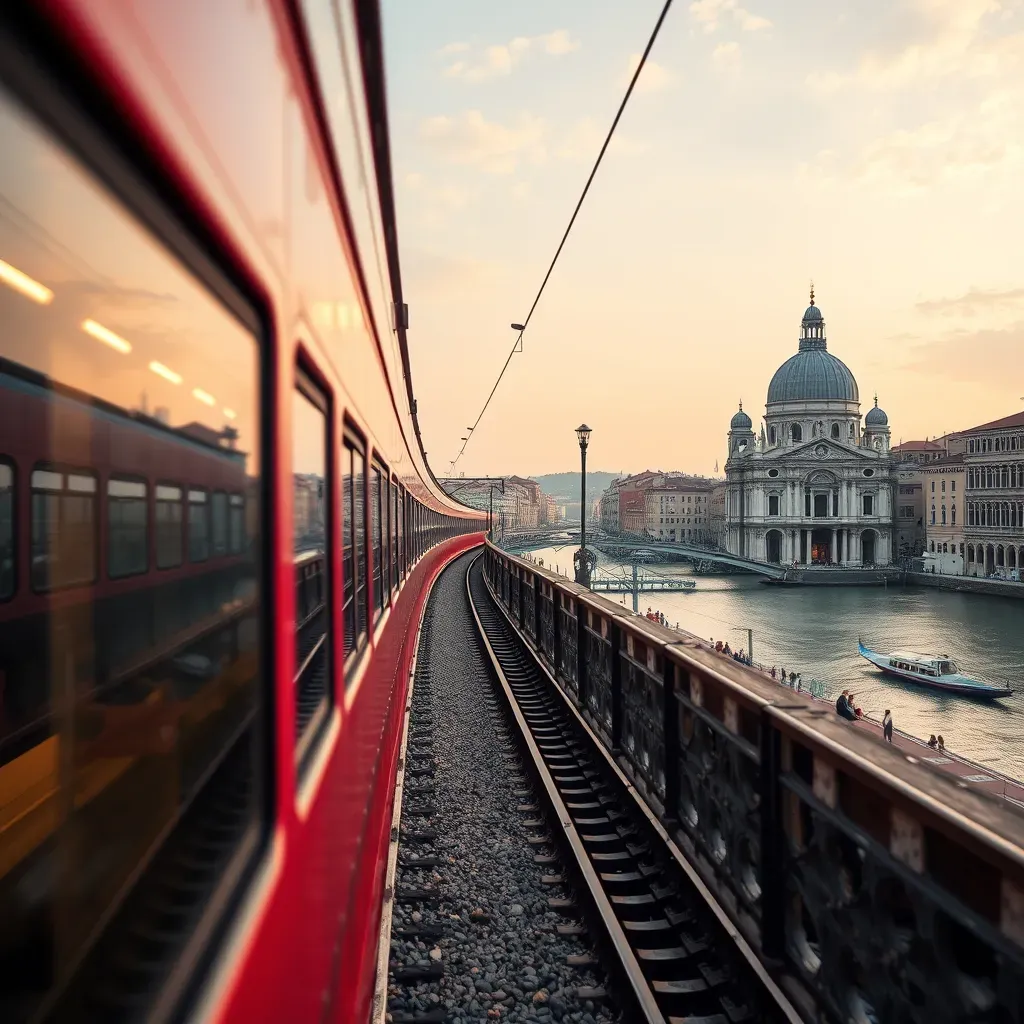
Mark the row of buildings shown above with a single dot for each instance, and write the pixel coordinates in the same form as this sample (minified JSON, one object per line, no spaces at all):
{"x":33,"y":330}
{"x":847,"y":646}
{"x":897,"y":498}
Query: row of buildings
{"x":821,"y":485}
{"x":517,"y":503}
{"x":672,"y":508}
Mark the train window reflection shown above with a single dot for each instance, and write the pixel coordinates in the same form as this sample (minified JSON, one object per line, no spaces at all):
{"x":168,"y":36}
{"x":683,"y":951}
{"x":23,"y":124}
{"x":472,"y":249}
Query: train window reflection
{"x":6,"y":531}
{"x":127,"y":514}
{"x":236,"y":524}
{"x":63,"y":529}
{"x":129,"y":678}
{"x":168,"y":526}
{"x":198,"y":527}
{"x":311,"y":487}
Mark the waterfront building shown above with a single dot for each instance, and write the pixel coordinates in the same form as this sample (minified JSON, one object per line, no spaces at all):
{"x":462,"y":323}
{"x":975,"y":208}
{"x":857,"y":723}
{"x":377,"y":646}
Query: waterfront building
{"x":677,"y":510}
{"x":910,"y":509}
{"x":994,"y":463}
{"x":818,"y":486}
{"x":944,"y":498}
{"x":716,"y":516}
{"x":609,"y":503}
{"x":549,"y":510}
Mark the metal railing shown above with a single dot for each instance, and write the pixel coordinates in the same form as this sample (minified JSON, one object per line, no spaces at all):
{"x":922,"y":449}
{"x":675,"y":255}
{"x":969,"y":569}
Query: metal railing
{"x":874,"y":888}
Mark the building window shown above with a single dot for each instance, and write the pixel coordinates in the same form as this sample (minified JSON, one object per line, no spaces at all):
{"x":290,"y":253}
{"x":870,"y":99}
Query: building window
{"x":852,"y":432}
{"x":933,"y":487}
{"x":952,"y":513}
{"x":127,"y":515}
{"x":933,"y":515}
{"x":219,"y":521}
{"x":797,"y":433}
{"x":236,"y":524}
{"x":952,"y":486}
{"x":943,"y":515}
{"x":943,"y":486}
{"x":835,"y":431}
{"x":869,"y":504}
{"x":771,"y":435}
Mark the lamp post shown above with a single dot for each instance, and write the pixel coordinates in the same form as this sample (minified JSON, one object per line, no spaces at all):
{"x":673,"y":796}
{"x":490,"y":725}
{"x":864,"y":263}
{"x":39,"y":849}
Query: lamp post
{"x":582,"y":559}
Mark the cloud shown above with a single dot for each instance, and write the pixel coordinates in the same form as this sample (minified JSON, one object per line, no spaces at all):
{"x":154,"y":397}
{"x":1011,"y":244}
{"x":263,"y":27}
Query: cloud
{"x":964,"y":144}
{"x":499,"y":59}
{"x":956,"y":44}
{"x":452,"y":48}
{"x":975,"y":300}
{"x":989,"y":356}
{"x":583,"y":142}
{"x":727,"y":56}
{"x":710,"y":14}
{"x":494,"y":148}
{"x":653,"y":78}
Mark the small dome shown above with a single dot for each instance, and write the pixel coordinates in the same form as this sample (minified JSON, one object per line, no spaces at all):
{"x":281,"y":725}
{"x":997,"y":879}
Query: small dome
{"x":876,"y":417}
{"x":812,"y":313}
{"x":740,"y":421}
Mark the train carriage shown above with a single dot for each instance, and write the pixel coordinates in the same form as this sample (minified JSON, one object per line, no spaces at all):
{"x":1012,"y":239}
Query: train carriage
{"x":217,"y":523}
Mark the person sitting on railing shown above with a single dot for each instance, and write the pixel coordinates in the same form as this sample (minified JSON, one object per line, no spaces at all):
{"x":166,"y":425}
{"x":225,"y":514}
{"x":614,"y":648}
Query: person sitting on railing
{"x":942,"y":744}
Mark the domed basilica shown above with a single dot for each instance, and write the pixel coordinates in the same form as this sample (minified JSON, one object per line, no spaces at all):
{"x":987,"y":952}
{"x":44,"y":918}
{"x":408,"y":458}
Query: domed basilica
{"x":815,"y":486}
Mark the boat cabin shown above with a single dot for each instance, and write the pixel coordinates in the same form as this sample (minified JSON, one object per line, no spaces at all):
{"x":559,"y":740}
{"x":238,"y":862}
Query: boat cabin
{"x":922,"y":664}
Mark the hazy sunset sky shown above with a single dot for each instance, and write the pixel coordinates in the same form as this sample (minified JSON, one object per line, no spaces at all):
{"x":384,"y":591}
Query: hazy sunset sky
{"x":876,"y":147}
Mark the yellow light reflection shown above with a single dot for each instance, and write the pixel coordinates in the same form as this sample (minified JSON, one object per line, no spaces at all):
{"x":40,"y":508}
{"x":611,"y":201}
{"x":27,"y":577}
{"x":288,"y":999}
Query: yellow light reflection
{"x":166,"y":372}
{"x":20,"y":282}
{"x":107,"y":336}
{"x":204,"y":396}
{"x":230,"y":413}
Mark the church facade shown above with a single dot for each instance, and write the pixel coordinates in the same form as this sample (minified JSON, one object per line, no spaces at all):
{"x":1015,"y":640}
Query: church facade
{"x":817,"y":485}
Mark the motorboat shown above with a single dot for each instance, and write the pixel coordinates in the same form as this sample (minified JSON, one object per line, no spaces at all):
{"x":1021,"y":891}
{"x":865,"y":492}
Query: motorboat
{"x":937,"y":671}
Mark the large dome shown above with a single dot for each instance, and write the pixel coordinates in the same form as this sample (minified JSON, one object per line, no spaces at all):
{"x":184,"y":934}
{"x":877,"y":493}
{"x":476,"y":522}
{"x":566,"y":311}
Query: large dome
{"x":813,"y":374}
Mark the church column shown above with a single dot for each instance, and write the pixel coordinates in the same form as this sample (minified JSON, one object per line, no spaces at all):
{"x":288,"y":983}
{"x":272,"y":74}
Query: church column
{"x":835,"y":553}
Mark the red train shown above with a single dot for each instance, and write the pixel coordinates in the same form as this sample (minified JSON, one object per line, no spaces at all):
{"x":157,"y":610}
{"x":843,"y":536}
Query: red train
{"x":217,"y":524}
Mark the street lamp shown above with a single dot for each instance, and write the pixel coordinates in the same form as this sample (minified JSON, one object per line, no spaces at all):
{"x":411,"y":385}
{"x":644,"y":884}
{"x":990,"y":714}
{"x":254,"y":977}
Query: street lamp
{"x":582,"y":558}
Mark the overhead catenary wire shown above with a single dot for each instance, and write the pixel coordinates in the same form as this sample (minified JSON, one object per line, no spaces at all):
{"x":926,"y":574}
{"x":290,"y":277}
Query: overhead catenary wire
{"x":572,"y":220}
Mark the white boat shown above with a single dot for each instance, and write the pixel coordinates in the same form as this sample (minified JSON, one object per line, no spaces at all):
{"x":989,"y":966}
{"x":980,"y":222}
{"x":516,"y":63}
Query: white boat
{"x":937,"y":671}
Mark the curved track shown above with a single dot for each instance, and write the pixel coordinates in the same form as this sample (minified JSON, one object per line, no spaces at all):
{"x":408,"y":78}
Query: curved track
{"x":675,"y":954}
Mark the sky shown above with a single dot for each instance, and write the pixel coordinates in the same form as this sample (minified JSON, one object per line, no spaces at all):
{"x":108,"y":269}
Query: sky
{"x":875,"y":147}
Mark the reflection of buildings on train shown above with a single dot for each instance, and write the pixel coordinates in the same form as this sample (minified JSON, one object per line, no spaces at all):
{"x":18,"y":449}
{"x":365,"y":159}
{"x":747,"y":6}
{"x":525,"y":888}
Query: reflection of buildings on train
{"x":308,"y":489}
{"x":127,"y":638}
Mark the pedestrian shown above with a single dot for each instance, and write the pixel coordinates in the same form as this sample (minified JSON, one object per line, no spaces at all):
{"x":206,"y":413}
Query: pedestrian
{"x":799,"y":682}
{"x":932,"y":741}
{"x":844,"y":708}
{"x":887,"y":725}
{"x":784,"y":677}
{"x":942,"y":744}
{"x":773,"y":671}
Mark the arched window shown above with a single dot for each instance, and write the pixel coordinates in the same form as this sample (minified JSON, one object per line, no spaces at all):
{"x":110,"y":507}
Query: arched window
{"x":835,"y":431}
{"x":933,"y":518}
{"x":952,"y":513}
{"x":945,"y":549}
{"x":943,"y":515}
{"x":852,"y":432}
{"x":797,"y":434}
{"x":933,"y":545}
{"x":771,"y":435}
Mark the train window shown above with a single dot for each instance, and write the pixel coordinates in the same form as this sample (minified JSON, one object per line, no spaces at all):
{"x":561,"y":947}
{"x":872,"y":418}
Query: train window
{"x":395,"y":534}
{"x":236,"y":524}
{"x":168,"y":526}
{"x":376,"y":539}
{"x":400,"y":527}
{"x":127,"y":519}
{"x":63,"y":529}
{"x":219,"y":521}
{"x":198,"y":526}
{"x":311,"y":488}
{"x":6,"y":531}
{"x":353,"y":552}
{"x":131,"y":749}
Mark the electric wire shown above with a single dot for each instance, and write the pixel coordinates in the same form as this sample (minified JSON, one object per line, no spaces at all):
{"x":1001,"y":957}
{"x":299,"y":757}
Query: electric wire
{"x":572,"y":221}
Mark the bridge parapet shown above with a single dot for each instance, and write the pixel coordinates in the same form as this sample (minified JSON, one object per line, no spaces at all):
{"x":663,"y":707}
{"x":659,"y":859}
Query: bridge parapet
{"x":872,"y":887}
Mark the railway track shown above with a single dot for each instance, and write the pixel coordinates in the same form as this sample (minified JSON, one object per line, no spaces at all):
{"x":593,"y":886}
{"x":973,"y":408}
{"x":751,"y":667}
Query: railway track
{"x":671,"y":949}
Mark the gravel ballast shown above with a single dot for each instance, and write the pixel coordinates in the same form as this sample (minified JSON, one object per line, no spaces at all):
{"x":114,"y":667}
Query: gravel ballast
{"x":473,"y":935}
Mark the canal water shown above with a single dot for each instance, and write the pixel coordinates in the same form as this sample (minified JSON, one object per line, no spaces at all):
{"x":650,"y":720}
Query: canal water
{"x":814,"y":631}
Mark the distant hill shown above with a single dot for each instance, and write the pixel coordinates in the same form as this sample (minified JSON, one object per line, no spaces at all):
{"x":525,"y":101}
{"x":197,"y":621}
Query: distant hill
{"x":567,"y":485}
